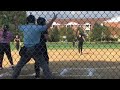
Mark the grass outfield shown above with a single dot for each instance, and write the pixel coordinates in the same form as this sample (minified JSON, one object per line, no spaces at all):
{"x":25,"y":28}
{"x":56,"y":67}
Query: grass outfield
{"x":65,"y":45}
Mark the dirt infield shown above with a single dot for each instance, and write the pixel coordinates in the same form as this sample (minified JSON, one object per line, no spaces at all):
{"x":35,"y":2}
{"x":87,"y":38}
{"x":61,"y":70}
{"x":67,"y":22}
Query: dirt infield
{"x":112,"y":55}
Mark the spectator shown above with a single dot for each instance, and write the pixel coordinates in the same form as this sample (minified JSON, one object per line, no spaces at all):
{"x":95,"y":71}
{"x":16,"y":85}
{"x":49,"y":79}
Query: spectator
{"x":5,"y":38}
{"x":17,"y":42}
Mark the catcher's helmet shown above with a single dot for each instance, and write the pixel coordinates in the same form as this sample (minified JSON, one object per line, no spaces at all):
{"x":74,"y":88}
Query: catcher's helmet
{"x":41,"y":21}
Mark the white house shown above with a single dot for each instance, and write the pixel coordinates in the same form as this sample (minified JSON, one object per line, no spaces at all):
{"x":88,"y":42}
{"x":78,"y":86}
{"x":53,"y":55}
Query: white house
{"x":114,"y":19}
{"x":72,"y":24}
{"x":55,"y":24}
{"x":87,"y":26}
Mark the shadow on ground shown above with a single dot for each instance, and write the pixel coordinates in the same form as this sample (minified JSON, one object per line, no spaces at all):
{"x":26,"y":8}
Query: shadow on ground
{"x":75,"y":70}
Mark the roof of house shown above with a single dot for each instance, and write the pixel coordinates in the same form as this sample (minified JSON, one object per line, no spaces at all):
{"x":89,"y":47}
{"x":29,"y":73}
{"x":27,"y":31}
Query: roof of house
{"x":114,"y":19}
{"x":112,"y":24}
{"x":80,"y":21}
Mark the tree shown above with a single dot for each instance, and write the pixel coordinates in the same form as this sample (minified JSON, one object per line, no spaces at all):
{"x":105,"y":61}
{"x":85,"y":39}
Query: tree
{"x":106,"y":34}
{"x":13,"y":19}
{"x":62,"y":33}
{"x":55,"y":35}
{"x":101,"y":33}
{"x":79,"y":30}
{"x":49,"y":35}
{"x":97,"y":32}
{"x":69,"y":34}
{"x":9,"y":17}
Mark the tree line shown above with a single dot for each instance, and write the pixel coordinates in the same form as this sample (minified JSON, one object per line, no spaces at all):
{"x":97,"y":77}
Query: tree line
{"x":98,"y":33}
{"x":12,"y":18}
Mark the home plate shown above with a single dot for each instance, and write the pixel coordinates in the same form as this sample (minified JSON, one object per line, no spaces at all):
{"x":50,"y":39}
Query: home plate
{"x":5,"y":74}
{"x":78,"y":72}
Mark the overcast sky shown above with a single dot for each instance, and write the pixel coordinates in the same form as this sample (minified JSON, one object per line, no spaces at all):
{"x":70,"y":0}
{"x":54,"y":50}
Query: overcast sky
{"x":76,"y":14}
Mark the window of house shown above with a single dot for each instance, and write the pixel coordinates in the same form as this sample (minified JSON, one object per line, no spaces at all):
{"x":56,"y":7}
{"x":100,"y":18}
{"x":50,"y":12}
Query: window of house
{"x":87,"y":25}
{"x":68,"y":25}
{"x":53,"y":25}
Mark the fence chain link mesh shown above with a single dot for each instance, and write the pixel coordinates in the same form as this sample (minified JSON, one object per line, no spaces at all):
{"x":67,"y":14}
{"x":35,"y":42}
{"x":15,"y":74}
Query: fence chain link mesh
{"x":80,"y":44}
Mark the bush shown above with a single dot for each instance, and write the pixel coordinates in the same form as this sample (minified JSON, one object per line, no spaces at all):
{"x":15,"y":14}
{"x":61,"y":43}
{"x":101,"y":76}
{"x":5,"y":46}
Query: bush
{"x":54,"y":35}
{"x":70,"y":35}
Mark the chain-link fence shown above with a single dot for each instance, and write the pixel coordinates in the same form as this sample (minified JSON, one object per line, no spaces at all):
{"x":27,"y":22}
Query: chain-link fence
{"x":78,"y":44}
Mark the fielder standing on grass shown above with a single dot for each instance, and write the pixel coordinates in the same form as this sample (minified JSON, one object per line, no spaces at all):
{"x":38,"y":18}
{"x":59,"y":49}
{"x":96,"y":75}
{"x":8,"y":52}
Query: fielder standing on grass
{"x":73,"y":42}
{"x":81,"y":39}
{"x":32,"y":35}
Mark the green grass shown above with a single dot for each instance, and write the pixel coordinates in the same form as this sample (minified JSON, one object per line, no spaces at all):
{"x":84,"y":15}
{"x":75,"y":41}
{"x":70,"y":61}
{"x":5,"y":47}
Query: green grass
{"x":60,"y":45}
{"x":64,"y":45}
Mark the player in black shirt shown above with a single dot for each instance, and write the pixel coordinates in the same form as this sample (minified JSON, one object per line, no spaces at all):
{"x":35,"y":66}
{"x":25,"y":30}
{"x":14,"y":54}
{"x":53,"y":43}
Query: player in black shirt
{"x":81,"y":39}
{"x":43,"y":47}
